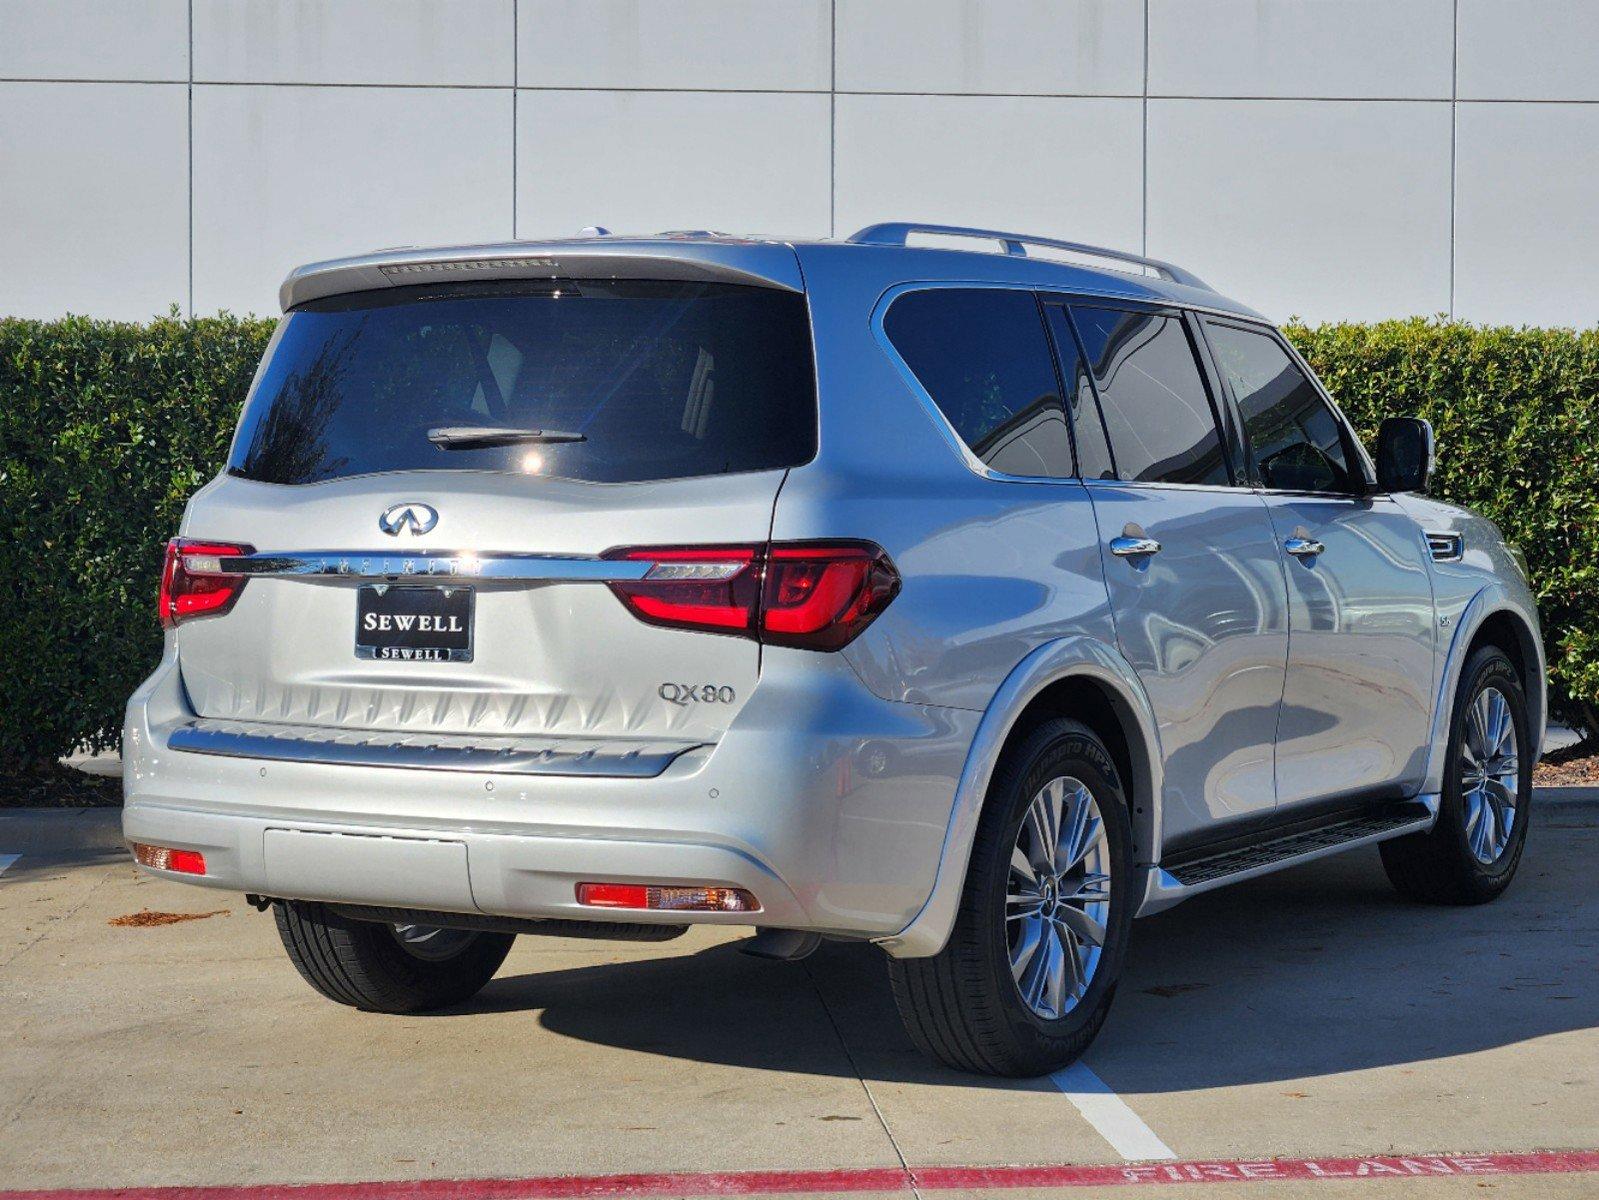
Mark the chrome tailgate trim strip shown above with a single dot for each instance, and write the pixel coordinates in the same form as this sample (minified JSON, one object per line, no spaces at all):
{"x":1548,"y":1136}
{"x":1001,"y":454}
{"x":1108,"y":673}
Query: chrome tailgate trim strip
{"x":431,"y":564}
{"x":613,"y":758}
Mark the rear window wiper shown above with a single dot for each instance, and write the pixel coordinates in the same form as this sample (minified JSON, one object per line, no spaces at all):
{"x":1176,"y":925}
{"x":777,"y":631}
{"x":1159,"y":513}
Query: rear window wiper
{"x":475,"y":437}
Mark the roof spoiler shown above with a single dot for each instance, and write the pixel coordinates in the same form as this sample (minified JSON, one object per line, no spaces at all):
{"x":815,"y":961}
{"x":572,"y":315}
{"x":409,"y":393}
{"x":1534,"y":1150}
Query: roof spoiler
{"x":762,"y":264}
{"x":895,"y":233}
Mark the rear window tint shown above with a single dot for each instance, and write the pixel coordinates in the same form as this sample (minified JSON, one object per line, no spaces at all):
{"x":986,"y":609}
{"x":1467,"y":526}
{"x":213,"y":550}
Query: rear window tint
{"x":1093,"y":450}
{"x":1157,"y":409}
{"x":1298,"y":443}
{"x":982,"y":355}
{"x":642,"y":381}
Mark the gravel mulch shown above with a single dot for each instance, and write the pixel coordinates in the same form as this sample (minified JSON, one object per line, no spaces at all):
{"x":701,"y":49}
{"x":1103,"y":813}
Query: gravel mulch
{"x":1558,"y":770}
{"x":64,"y":787}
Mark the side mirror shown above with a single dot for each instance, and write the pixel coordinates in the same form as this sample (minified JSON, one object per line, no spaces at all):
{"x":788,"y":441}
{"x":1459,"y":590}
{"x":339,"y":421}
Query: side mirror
{"x":1405,"y":452}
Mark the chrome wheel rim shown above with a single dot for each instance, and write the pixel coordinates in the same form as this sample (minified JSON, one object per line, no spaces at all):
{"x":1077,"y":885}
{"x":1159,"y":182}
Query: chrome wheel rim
{"x":1490,"y":775}
{"x":1057,"y":904}
{"x":430,"y":943}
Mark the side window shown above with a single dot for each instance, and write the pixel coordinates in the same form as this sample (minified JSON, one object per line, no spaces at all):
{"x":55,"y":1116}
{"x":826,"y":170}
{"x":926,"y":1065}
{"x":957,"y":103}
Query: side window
{"x":982,"y":355}
{"x":1157,"y":411}
{"x":1298,"y":443}
{"x":1093,"y":451}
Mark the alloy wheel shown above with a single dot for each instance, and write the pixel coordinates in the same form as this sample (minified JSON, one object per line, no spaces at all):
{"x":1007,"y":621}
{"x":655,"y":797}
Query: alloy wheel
{"x":1490,"y":775}
{"x":1057,"y":904}
{"x":430,"y":943}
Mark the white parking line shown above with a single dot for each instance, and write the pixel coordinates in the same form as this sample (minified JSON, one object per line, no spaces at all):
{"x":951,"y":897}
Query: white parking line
{"x":6,"y":860}
{"x":1109,"y":1115}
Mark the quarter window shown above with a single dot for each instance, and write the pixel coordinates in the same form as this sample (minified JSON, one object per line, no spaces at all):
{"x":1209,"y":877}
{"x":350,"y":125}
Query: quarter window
{"x":1093,"y":451}
{"x":1156,"y":408}
{"x":982,"y":355}
{"x":1298,"y":442}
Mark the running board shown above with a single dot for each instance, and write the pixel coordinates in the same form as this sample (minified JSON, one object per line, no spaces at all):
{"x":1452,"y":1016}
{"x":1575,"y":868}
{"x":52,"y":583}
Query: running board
{"x":1177,"y":881}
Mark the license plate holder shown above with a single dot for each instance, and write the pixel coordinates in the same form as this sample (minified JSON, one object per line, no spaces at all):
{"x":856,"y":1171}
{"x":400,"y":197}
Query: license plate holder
{"x":396,"y":623}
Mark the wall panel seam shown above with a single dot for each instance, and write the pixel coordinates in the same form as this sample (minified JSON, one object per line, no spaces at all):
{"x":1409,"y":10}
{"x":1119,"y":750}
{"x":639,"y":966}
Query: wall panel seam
{"x":1454,"y":123}
{"x":1143,"y":216}
{"x":516,"y":79}
{"x":713,"y":91}
{"x":119,"y":82}
{"x":189,"y":190}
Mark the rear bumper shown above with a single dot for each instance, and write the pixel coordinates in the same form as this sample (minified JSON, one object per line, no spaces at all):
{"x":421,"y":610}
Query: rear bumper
{"x":504,"y":874}
{"x":825,"y":802}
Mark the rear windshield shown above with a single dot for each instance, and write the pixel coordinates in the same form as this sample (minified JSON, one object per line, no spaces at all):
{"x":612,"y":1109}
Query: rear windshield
{"x":609,"y":382}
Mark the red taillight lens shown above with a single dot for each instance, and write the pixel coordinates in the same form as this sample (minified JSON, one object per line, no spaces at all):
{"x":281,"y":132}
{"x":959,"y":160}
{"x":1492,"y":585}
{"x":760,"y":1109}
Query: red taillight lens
{"x":164,"y":858}
{"x":695,"y":587}
{"x":820,"y":597}
{"x":816,"y":596}
{"x":194,"y":582}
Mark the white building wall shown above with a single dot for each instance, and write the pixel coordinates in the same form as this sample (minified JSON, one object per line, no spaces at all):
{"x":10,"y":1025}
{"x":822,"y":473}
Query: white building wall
{"x":1325,"y":158}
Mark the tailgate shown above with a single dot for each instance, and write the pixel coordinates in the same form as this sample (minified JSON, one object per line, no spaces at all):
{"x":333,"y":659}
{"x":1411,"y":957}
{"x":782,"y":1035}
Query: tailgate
{"x":435,"y":476}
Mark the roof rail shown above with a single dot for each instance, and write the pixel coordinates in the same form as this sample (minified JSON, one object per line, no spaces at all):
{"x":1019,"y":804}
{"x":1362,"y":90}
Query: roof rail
{"x":895,"y":233}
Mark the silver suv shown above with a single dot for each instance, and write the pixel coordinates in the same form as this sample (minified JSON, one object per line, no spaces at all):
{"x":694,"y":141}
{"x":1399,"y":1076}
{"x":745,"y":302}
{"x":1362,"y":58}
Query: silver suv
{"x":969,"y":601}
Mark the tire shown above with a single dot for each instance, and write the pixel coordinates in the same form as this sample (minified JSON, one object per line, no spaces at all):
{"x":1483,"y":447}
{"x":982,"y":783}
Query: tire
{"x":369,"y":966}
{"x":1447,"y":864}
{"x":964,"y":1006}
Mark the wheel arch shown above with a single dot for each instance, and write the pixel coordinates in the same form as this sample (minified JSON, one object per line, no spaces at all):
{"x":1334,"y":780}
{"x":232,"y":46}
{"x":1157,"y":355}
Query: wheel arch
{"x":1505,"y":629}
{"x":1492,"y":618}
{"x":1088,"y":698}
{"x":1078,"y":677}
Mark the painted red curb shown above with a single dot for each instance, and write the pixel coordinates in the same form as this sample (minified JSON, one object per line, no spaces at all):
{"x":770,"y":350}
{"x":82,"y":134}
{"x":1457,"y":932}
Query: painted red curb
{"x":873,"y":1179}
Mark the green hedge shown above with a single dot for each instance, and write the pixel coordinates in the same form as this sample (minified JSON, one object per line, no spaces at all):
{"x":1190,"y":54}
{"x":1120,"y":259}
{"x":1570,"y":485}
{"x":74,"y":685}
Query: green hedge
{"x":1516,"y":412}
{"x":106,"y":428}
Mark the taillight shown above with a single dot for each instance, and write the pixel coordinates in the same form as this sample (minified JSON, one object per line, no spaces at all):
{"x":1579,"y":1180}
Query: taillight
{"x":819,"y":597}
{"x":194,"y":583}
{"x":812,"y":595}
{"x":695,"y":587}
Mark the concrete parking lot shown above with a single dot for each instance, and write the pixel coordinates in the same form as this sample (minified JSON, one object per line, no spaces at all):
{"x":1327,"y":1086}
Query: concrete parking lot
{"x":1308,"y":1034}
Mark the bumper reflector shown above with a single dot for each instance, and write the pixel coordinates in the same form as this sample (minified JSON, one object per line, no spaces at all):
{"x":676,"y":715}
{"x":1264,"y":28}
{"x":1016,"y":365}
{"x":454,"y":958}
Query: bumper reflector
{"x":666,"y":898}
{"x":162,"y":858}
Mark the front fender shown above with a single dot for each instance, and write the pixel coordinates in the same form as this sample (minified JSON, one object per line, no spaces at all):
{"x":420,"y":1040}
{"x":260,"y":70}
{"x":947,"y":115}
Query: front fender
{"x":1492,"y":600}
{"x":1077,"y":657}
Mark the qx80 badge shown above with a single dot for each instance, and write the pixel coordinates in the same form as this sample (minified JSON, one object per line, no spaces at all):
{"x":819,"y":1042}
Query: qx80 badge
{"x":684,"y":694}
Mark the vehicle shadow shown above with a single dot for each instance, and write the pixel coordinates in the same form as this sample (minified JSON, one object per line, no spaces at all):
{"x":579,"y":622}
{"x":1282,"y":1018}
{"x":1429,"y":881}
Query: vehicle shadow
{"x":46,"y":841}
{"x":51,"y":863}
{"x":1316,"y":971}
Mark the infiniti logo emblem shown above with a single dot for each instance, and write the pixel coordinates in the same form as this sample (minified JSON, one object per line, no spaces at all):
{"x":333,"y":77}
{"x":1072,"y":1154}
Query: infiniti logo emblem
{"x":418,"y":518}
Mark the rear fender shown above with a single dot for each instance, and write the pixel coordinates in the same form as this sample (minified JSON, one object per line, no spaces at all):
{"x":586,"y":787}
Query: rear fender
{"x":1077,"y":657}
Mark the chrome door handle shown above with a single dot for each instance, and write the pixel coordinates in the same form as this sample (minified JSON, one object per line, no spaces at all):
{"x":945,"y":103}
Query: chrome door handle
{"x":1303,"y":547}
{"x":1133,"y":547}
